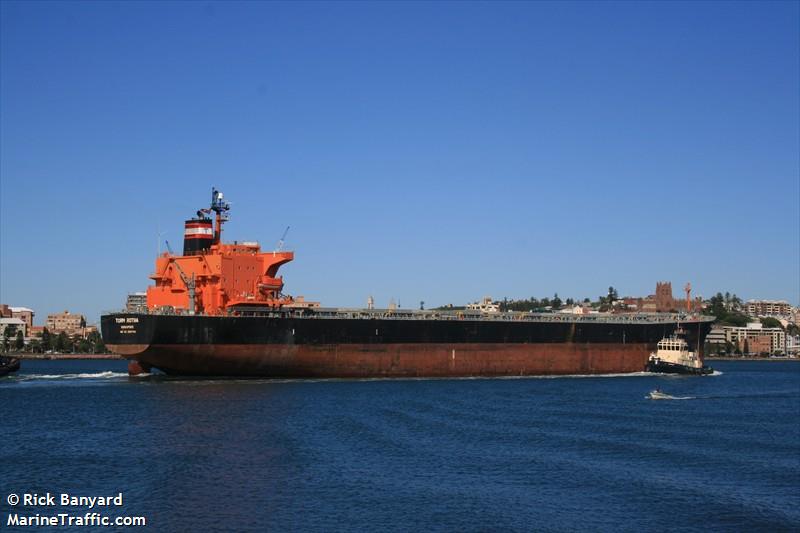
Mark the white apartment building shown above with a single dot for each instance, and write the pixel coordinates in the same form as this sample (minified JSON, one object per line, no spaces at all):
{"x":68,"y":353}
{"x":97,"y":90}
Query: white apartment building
{"x":755,"y":330}
{"x":16,"y":324}
{"x":793,"y":344}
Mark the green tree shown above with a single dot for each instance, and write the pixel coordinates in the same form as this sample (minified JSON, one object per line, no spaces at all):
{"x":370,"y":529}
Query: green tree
{"x":733,"y":319}
{"x":613,"y":296}
{"x":9,"y":332}
{"x":96,"y":344}
{"x":556,"y":303}
{"x":61,"y":342}
{"x":20,"y":342}
{"x":717,"y":305}
{"x":83,"y":346}
{"x":729,"y":347}
{"x":770,"y":322}
{"x":726,"y":309}
{"x":47,"y":340}
{"x":69,"y":347}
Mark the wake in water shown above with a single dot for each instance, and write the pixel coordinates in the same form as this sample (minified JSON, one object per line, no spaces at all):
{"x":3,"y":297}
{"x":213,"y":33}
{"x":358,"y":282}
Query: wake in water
{"x":96,"y":375}
{"x":664,"y":396}
{"x":212,"y":380}
{"x":657,"y":395}
{"x":684,"y":376}
{"x":109,"y":375}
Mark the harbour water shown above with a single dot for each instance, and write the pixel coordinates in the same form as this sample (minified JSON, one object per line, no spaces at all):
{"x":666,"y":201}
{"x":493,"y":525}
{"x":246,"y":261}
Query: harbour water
{"x":545,"y":454}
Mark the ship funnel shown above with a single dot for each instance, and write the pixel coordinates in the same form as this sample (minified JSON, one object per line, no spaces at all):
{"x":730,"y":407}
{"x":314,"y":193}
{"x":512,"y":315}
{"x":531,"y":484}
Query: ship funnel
{"x":198,"y":236}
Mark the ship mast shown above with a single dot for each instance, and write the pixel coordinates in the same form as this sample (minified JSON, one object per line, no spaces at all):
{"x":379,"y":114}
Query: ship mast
{"x":221,"y":208}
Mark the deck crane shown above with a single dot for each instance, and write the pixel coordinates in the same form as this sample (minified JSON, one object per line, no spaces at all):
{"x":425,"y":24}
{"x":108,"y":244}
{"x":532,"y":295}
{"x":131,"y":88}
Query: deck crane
{"x":688,"y":290}
{"x":189,"y":282}
{"x":283,"y":238}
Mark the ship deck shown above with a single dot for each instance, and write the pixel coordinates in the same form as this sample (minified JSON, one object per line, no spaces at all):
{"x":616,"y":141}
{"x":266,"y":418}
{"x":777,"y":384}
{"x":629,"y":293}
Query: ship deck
{"x":334,"y":313}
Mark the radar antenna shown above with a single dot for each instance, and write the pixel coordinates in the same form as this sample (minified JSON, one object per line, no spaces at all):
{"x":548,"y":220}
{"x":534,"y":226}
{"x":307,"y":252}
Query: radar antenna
{"x":218,"y":205}
{"x":221,"y":208}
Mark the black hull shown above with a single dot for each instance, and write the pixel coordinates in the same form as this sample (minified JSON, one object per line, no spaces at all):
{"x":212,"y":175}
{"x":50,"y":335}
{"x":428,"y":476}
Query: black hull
{"x":8,"y":365}
{"x":125,"y":328}
{"x":302,"y":346}
{"x":670,"y":368}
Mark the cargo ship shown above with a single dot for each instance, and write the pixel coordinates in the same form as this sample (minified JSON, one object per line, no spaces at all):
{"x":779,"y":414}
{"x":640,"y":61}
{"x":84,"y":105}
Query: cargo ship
{"x":218,"y":309}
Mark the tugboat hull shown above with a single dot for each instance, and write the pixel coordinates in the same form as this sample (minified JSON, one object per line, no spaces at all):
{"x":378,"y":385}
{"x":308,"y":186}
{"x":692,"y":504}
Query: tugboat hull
{"x":662,"y":367}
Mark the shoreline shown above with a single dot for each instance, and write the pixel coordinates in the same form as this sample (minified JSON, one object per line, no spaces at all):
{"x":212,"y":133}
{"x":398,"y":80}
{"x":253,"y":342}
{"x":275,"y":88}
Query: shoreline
{"x":65,"y":356}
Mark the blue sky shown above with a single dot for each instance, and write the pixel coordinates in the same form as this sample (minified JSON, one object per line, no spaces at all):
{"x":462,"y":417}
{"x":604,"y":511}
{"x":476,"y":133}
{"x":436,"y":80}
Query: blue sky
{"x":419,"y":151}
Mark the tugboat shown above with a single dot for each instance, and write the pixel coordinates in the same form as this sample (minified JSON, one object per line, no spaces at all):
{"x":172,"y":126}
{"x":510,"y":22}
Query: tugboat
{"x":673,"y":356}
{"x":8,"y":365}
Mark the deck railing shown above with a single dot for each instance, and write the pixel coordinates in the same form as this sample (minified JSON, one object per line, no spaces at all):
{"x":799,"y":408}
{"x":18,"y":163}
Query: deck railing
{"x":406,"y":314}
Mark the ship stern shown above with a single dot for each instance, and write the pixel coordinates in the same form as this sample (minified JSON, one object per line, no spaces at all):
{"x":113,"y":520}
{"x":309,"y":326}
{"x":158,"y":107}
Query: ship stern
{"x":127,"y":334}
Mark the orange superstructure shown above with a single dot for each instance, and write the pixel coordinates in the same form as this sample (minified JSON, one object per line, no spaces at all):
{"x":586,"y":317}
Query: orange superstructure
{"x":214,"y":278}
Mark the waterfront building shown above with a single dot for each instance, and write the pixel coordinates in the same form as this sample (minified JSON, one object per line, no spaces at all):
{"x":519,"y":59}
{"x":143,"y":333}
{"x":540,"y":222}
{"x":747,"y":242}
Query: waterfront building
{"x":576,"y":309}
{"x":759,"y":345}
{"x":69,"y":323}
{"x":24,"y":314}
{"x":755,"y":336}
{"x":661,"y":302}
{"x":17,"y":324}
{"x":664,"y":300}
{"x":793,"y":345}
{"x":776,"y":308}
{"x":648,"y":305}
{"x":716,"y":336}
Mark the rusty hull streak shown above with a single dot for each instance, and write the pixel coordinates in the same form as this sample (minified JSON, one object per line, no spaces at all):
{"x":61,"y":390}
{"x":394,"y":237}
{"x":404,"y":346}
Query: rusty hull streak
{"x":392,"y":360}
{"x":127,"y":349}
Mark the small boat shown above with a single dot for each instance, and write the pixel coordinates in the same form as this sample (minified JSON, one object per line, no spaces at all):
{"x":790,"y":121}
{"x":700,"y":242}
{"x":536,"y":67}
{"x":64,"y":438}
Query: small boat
{"x":658,"y":395}
{"x":8,"y":365}
{"x":673,"y":356}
